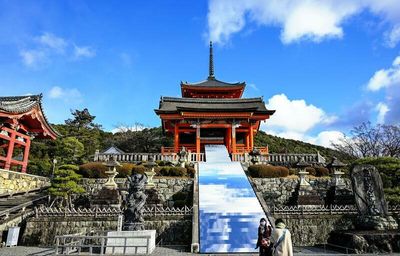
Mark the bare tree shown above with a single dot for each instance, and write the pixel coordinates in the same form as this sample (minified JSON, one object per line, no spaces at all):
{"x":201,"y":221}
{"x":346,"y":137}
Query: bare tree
{"x":367,"y":140}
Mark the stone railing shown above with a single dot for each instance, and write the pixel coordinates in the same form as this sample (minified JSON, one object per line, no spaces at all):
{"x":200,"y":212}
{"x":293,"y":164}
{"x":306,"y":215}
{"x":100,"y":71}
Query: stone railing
{"x":314,"y":209}
{"x":168,"y":211}
{"x":275,"y":158}
{"x":107,"y":212}
{"x":17,"y":182}
{"x":322,"y":209}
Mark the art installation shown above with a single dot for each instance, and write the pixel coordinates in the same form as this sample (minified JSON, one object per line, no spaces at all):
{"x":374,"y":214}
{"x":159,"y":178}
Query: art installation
{"x":229,"y":209}
{"x":135,"y":202}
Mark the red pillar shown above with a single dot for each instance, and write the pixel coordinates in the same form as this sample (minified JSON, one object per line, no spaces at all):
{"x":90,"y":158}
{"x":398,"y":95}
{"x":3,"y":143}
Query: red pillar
{"x":247,"y":142}
{"x":233,"y":138}
{"x":10,"y":150}
{"x":251,"y":137}
{"x":26,"y":154}
{"x":176,"y":138}
{"x":229,"y":140}
{"x":198,"y":139}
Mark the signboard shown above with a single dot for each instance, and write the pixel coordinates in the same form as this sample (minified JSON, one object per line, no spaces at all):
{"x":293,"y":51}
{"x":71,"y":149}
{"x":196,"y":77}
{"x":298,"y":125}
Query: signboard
{"x":12,"y":237}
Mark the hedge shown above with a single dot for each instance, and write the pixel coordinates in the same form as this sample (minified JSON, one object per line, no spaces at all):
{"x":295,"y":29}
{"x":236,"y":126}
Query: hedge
{"x":125,"y":170}
{"x":93,"y":170}
{"x":268,"y":171}
{"x":318,"y":171}
{"x":173,"y":171}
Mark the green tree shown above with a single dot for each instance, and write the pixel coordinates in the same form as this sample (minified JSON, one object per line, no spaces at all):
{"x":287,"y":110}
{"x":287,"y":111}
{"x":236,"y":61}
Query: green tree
{"x":65,"y":184}
{"x":70,"y":150}
{"x":82,"y":119}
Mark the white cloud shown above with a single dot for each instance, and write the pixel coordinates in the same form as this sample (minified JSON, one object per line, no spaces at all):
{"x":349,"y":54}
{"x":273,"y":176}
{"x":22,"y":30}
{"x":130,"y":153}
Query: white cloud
{"x":52,"y":41}
{"x":393,"y":36}
{"x":31,"y":58}
{"x":295,"y":119}
{"x":299,"y":19}
{"x":125,"y":128}
{"x":326,"y":138}
{"x":66,"y":94}
{"x":84,"y":52}
{"x":385,"y":77}
{"x":294,"y":115}
{"x":48,"y":46}
{"x":382,"y":109}
{"x":253,"y":86}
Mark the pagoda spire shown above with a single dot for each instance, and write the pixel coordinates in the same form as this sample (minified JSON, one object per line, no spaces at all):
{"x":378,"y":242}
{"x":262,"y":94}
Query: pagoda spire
{"x":211,"y":65}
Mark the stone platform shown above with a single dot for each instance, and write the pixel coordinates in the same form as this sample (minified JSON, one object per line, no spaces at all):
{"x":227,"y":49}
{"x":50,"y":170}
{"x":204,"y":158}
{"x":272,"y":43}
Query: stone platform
{"x":368,"y":241}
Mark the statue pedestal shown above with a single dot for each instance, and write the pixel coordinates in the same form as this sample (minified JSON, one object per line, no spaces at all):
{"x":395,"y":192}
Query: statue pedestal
{"x":131,"y":242}
{"x":107,"y":198}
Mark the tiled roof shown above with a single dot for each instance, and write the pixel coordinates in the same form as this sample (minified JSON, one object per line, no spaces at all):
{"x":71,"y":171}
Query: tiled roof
{"x":19,"y":104}
{"x":23,"y":104}
{"x":173,"y":105}
{"x":213,"y":83}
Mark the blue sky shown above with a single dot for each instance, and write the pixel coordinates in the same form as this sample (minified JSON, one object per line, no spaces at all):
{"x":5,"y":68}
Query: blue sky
{"x":325,"y":66}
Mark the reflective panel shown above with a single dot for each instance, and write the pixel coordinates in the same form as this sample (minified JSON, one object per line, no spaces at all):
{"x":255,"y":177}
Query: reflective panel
{"x":229,"y":209}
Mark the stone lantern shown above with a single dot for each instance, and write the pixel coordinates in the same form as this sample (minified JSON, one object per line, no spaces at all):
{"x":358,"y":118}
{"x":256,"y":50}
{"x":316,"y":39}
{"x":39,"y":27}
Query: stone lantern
{"x":255,"y":156}
{"x":150,"y":172}
{"x":182,"y":156}
{"x":112,"y":165}
{"x":335,"y":166}
{"x":302,"y":165}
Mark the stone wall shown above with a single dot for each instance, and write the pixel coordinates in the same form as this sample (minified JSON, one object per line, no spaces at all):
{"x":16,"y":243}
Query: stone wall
{"x":165,"y":188}
{"x":16,"y":182}
{"x":309,"y":230}
{"x":280,"y":191}
{"x":42,"y":230}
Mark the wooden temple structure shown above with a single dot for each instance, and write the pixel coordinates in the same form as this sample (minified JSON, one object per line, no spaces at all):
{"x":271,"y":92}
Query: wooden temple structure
{"x":21,"y":120}
{"x":212,"y":112}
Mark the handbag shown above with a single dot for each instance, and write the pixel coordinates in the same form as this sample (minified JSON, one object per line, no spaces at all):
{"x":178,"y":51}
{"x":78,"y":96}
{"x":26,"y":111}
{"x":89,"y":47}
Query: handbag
{"x":265,"y":242}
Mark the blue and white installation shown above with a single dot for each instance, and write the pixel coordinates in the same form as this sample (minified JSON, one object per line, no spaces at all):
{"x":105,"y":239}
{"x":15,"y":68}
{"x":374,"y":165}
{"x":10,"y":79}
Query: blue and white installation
{"x":229,"y":209}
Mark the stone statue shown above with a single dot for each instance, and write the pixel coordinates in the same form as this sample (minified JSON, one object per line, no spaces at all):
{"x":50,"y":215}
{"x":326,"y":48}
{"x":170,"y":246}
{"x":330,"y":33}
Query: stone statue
{"x":370,"y":200}
{"x":135,"y":202}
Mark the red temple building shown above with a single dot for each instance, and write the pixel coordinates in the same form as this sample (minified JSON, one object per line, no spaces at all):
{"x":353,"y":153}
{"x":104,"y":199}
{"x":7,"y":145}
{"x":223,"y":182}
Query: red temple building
{"x":212,"y":112}
{"x":21,"y":120}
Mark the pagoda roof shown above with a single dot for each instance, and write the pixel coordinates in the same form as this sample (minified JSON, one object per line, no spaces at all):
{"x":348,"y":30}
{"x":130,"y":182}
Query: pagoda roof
{"x":212,"y":83}
{"x":20,"y":105}
{"x":174,"y":105}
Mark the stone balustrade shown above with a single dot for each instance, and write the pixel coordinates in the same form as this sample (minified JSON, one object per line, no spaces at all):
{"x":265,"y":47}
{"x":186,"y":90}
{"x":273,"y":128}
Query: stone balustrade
{"x":273,"y":158}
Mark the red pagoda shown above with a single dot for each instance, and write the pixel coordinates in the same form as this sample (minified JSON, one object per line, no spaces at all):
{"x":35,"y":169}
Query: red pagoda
{"x":212,"y":112}
{"x":21,"y":120}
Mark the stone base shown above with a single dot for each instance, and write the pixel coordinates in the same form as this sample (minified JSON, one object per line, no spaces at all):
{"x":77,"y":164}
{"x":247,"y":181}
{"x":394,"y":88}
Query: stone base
{"x":367,"y":241}
{"x":375,"y":223}
{"x":139,"y":242}
{"x":107,"y":198}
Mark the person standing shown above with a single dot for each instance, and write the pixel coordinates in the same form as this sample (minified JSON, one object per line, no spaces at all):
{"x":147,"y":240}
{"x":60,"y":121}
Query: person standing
{"x":264,"y":235}
{"x":281,"y":239}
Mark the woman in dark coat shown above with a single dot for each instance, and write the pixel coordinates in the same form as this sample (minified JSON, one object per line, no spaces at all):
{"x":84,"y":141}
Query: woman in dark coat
{"x":264,"y":235}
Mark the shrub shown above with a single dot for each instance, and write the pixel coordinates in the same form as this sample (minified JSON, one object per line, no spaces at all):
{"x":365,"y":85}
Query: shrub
{"x":138,"y":169}
{"x":125,"y":170}
{"x":268,"y":171}
{"x":41,"y":167}
{"x":321,"y":171}
{"x":191,"y":171}
{"x":173,"y":171}
{"x":311,"y":171}
{"x":93,"y":170}
{"x":392,"y":195}
{"x":177,"y":171}
{"x":292,"y":171}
